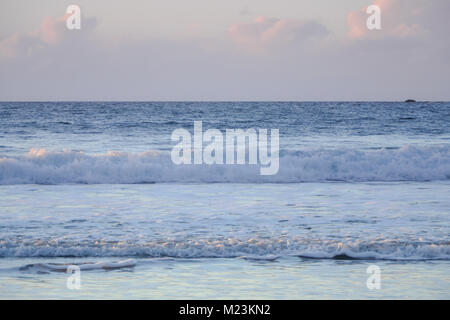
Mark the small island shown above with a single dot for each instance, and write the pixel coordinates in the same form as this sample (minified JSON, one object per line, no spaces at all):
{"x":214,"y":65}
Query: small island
{"x":410,"y":100}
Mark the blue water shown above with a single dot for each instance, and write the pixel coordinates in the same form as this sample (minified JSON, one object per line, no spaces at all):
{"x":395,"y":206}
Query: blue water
{"x":141,"y":126}
{"x":359,"y":183}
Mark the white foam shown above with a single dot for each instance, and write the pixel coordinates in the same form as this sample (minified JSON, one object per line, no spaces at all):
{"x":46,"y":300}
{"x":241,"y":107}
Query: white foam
{"x":262,"y":249}
{"x":100,"y":265}
{"x":409,"y":163}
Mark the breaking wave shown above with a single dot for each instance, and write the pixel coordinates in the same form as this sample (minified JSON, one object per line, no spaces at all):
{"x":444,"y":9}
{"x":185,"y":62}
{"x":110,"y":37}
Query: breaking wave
{"x":269,"y":249}
{"x":409,"y":163}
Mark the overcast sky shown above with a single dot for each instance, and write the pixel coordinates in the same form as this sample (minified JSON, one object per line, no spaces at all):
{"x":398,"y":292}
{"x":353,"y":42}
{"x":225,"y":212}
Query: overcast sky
{"x":224,"y":50}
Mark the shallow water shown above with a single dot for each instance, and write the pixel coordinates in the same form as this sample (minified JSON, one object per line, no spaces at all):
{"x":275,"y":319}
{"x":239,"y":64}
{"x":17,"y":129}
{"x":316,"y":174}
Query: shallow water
{"x":362,"y":220}
{"x":228,"y":240}
{"x":287,"y":278}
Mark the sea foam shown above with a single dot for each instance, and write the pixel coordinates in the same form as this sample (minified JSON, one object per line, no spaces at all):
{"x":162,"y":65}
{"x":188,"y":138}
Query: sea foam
{"x":260,"y":249}
{"x":409,"y":163}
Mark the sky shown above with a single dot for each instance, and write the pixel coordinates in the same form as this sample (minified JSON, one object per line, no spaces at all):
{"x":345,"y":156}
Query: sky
{"x":283,"y":50}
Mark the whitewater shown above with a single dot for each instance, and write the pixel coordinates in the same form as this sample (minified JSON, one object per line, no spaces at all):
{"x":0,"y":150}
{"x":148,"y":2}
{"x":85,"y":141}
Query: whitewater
{"x":408,"y":163}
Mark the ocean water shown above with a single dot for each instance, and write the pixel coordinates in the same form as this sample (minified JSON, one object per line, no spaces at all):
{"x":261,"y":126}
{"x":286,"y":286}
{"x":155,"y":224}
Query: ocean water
{"x":92,"y":184}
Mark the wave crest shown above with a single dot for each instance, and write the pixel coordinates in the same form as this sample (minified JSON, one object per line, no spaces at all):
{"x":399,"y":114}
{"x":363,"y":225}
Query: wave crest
{"x":384,"y":249}
{"x":409,"y":163}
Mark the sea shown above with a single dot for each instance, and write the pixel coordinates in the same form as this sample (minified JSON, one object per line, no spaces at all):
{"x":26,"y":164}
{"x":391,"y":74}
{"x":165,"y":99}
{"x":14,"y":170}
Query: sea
{"x":359,"y":208}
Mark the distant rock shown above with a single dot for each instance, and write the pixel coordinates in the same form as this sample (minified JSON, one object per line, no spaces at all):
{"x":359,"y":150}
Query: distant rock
{"x":410,"y":100}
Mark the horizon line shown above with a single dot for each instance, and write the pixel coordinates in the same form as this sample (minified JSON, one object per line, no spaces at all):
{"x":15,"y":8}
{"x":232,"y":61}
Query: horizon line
{"x":95,"y":100}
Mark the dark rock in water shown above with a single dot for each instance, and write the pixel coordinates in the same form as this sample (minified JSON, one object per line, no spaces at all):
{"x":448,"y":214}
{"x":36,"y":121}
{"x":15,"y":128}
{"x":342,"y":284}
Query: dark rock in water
{"x":343,"y":256}
{"x":410,"y":100}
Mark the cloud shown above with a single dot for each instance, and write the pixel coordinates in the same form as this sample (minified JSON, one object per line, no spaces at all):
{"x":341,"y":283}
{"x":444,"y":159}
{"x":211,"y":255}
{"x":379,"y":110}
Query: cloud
{"x":399,"y":19}
{"x":264,"y":31}
{"x":17,"y":44}
{"x":8,"y":46}
{"x":52,"y":32}
{"x":301,"y":60}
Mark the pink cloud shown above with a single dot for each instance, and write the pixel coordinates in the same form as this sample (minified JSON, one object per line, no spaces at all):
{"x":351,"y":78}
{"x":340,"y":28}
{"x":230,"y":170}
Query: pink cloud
{"x":8,"y":46}
{"x":398,"y":19}
{"x":50,"y":32}
{"x":263,"y":31}
{"x":356,"y":23}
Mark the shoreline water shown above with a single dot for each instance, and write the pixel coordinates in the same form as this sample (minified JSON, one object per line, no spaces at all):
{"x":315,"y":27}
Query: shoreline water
{"x":290,"y":278}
